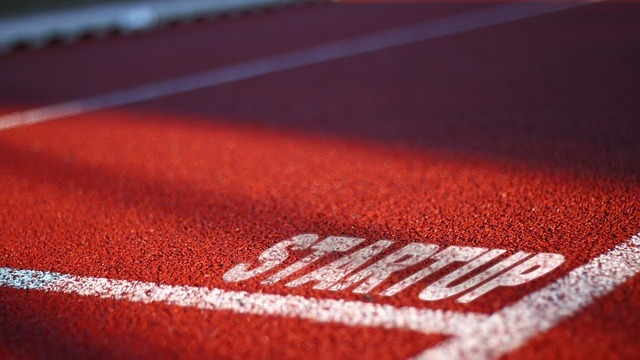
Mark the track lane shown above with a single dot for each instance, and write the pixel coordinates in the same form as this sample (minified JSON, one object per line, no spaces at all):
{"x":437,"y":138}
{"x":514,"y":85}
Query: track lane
{"x":96,"y":67}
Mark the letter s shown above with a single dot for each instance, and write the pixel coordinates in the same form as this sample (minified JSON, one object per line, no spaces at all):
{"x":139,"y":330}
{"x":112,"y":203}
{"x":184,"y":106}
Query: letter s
{"x":271,"y":258}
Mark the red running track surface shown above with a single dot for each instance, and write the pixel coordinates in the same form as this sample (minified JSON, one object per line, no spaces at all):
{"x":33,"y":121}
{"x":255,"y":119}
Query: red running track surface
{"x":520,"y":136}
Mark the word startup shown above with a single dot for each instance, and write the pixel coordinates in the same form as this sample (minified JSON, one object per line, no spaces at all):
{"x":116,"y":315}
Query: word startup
{"x":479,"y":271}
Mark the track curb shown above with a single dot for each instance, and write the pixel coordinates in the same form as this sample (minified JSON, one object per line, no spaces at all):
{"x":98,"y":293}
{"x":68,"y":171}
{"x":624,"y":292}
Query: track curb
{"x":68,"y":26}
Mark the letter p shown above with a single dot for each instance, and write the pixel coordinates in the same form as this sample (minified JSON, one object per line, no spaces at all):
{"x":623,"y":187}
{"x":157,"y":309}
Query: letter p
{"x":532,"y":268}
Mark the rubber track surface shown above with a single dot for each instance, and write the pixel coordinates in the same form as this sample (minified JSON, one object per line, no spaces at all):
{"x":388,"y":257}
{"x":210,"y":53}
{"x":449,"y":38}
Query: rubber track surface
{"x":521,"y":136}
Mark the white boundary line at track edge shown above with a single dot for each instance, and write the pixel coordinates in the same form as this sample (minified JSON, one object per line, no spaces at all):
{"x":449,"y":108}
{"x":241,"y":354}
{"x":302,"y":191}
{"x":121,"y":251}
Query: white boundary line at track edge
{"x":432,"y":29}
{"x":475,"y":335}
{"x":538,"y":312}
{"x":352,"y":313}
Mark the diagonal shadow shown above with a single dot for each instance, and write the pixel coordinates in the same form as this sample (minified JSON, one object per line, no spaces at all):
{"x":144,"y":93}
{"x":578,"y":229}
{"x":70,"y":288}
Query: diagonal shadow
{"x":516,"y":93}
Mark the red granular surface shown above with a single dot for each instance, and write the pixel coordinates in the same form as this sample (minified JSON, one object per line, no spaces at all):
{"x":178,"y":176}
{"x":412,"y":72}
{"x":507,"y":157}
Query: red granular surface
{"x":520,"y":137}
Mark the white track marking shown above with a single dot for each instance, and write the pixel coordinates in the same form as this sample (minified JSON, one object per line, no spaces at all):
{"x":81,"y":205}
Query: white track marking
{"x":450,"y":25}
{"x":475,"y":336}
{"x":513,"y":326}
{"x":352,"y":313}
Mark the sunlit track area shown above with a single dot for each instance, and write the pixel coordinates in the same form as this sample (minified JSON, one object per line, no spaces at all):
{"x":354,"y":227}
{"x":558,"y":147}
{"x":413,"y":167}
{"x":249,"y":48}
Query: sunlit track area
{"x":320,"y":180}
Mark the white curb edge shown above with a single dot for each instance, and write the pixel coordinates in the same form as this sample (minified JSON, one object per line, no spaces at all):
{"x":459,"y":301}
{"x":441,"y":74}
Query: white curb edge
{"x":67,"y":26}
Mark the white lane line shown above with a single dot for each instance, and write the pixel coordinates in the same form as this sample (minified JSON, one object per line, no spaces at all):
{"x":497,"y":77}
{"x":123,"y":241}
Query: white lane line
{"x":352,"y":313}
{"x":475,"y":336}
{"x":450,"y":25}
{"x":513,"y":326}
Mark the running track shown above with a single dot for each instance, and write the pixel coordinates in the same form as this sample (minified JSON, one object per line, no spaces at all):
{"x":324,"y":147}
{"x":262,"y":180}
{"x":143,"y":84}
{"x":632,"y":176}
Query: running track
{"x":162,"y":161}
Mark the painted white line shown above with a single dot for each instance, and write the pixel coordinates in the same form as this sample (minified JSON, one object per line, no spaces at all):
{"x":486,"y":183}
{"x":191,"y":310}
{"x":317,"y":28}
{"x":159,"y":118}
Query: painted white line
{"x":475,"y":336}
{"x":513,"y":326}
{"x":352,"y":313}
{"x":450,"y":25}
